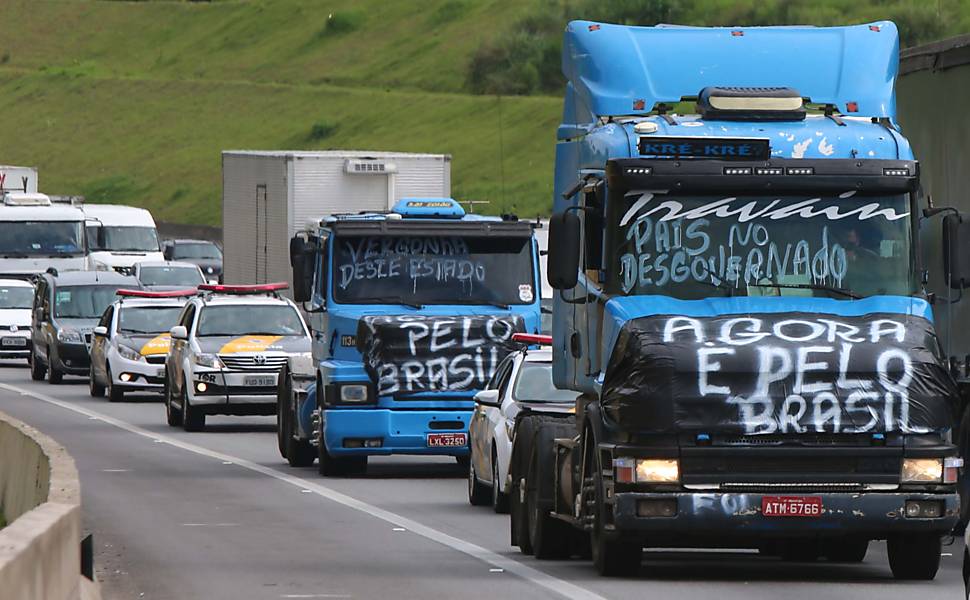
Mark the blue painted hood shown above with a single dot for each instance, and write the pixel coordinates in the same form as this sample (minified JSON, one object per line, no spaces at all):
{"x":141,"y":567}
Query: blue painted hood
{"x":621,"y":70}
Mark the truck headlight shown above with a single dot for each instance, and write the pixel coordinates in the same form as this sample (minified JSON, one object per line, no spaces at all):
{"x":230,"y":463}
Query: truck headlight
{"x":69,"y":336}
{"x":208,"y":360}
{"x":353,"y":392}
{"x":129,"y":353}
{"x":657,"y":470}
{"x":922,"y":470}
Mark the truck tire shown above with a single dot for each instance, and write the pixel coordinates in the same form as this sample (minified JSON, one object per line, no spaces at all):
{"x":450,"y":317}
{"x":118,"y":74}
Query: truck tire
{"x":914,"y":556}
{"x":94,"y":388}
{"x":37,"y":370}
{"x":478,"y":494}
{"x":963,"y":445}
{"x":846,"y":550}
{"x":54,"y":375}
{"x":611,"y":557}
{"x":499,"y":499}
{"x":173,"y":416}
{"x":298,"y":453}
{"x":193,"y":419}
{"x":548,"y":536}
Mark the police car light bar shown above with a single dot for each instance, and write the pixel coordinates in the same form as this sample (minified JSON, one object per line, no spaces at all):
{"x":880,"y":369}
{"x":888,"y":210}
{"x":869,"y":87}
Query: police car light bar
{"x":147,"y":294}
{"x":244,"y":289}
{"x":532,"y":338}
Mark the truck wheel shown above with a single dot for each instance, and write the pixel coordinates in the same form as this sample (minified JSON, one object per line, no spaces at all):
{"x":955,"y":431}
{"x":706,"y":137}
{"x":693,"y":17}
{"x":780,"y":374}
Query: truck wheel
{"x":298,"y":453}
{"x":548,"y":536}
{"x":173,"y":416}
{"x":500,"y":500}
{"x":193,"y":419}
{"x":612,"y":558}
{"x":519,"y":520}
{"x":54,"y":376}
{"x":115,"y":394}
{"x":915,"y":555}
{"x":37,"y":370}
{"x":478,"y":494}
{"x":331,"y":466}
{"x":846,"y":550}
{"x":94,"y":388}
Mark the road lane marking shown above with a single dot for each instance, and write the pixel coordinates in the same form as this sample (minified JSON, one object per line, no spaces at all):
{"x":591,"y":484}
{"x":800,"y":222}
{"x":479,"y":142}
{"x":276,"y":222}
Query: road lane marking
{"x":210,"y":524}
{"x":535,"y":576}
{"x":115,"y":470}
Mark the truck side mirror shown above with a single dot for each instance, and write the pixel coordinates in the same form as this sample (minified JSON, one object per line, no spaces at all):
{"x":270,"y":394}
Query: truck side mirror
{"x":956,"y":250}
{"x":562,"y":269}
{"x":168,"y":252}
{"x":301,"y":260}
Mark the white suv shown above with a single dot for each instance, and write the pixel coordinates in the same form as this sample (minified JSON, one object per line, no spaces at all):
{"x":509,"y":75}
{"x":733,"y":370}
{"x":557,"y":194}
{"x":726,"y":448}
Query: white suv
{"x":227,"y":350}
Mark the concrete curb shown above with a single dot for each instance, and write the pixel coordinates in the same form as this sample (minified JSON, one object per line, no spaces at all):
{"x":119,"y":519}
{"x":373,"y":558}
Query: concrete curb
{"x":40,"y":496}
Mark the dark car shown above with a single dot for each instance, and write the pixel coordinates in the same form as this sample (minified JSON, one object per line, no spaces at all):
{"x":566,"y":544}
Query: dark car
{"x":65,"y":311}
{"x":204,"y":253}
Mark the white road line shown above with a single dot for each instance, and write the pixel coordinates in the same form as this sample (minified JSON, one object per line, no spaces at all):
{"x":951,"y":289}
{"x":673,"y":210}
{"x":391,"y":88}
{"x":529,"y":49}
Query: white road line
{"x":549,"y":582}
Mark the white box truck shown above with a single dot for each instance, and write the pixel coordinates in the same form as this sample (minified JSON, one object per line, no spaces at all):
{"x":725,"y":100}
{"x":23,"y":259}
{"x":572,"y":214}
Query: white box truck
{"x":18,"y":179}
{"x":267,"y":196}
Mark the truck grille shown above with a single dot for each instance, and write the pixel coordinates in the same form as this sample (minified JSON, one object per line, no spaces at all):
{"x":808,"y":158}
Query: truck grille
{"x":772,"y":465}
{"x":265,"y":364}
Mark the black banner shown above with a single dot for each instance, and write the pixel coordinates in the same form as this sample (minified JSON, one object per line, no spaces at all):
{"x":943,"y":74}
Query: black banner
{"x":780,"y":373}
{"x":716,"y":148}
{"x":410,"y":354}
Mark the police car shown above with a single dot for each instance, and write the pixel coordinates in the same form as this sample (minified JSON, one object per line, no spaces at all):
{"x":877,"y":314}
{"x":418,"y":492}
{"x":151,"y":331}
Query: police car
{"x":228,"y":347}
{"x":131,"y":342}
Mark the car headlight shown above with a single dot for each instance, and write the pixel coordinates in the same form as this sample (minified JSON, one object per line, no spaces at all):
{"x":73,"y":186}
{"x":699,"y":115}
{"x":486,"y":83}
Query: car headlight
{"x":208,"y":360}
{"x":69,"y":336}
{"x":646,"y":470}
{"x":354,"y":392}
{"x":922,"y":470}
{"x":129,"y":353}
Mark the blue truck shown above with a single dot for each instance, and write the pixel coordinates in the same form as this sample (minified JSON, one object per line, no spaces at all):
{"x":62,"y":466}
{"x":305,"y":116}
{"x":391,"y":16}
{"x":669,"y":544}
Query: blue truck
{"x":740,"y":302}
{"x":411,"y":310}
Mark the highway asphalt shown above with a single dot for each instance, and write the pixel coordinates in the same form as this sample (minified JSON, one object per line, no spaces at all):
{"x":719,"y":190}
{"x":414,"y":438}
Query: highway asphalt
{"x":218,"y":514}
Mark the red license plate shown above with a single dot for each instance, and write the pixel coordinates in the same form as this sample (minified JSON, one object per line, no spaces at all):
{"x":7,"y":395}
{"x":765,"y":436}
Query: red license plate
{"x":447,"y":440}
{"x":791,"y":506}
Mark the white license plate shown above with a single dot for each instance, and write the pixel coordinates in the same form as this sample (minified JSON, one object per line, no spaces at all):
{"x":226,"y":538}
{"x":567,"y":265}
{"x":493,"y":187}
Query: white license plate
{"x":447,"y":440}
{"x":12,"y":341}
{"x":259,"y":380}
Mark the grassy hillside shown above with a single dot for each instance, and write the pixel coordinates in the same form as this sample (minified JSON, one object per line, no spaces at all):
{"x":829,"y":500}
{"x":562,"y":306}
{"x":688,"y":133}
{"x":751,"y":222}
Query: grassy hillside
{"x":133,"y":101}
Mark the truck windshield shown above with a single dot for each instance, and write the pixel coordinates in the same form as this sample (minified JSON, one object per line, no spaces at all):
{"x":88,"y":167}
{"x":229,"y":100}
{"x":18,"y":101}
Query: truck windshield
{"x":148,"y":319}
{"x":16,"y":297}
{"x":433,"y":270}
{"x":691,"y":247}
{"x":254,"y":319}
{"x":20,"y":239}
{"x":122,"y":239}
{"x":83,"y":301}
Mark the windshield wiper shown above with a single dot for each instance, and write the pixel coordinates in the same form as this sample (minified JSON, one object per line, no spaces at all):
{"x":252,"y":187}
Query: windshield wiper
{"x":815,"y":286}
{"x":126,"y":330}
{"x":388,"y":300}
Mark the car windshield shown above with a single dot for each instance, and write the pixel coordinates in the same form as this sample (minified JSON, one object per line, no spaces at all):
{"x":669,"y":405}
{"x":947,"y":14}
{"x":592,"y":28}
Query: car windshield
{"x":16,"y":297}
{"x":249,"y":319}
{"x":83,"y":301}
{"x":846,"y":246}
{"x":196,"y":250}
{"x":21,"y":239}
{"x":122,"y":238}
{"x":187,"y":276}
{"x":433,"y":270}
{"x":534,"y":384}
{"x":148,"y":319}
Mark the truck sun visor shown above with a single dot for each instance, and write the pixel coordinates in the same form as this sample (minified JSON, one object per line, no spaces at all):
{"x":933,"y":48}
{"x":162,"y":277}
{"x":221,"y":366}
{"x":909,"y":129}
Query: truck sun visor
{"x":750,"y":104}
{"x":413,"y":354}
{"x":779,"y":373}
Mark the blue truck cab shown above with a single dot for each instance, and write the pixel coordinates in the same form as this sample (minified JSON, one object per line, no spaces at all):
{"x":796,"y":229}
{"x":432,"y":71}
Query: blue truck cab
{"x":739,"y":300}
{"x":411,"y":311}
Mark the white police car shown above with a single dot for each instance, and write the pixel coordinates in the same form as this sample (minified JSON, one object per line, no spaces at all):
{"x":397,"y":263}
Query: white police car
{"x":16,"y":299}
{"x":522,"y":383}
{"x":227,"y":350}
{"x":131,"y":342}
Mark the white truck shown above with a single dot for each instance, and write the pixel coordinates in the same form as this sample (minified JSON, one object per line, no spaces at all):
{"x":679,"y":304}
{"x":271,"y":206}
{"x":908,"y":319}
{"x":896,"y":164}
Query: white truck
{"x":36,"y":235}
{"x":120,"y":236}
{"x":267,"y":196}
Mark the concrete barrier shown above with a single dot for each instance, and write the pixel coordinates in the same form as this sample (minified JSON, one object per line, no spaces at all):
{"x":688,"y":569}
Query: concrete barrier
{"x":40,"y":499}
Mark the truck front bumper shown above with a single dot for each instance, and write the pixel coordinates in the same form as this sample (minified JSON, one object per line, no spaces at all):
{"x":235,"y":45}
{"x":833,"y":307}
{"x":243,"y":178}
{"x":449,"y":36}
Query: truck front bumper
{"x":738,"y":516}
{"x":399,"y":432}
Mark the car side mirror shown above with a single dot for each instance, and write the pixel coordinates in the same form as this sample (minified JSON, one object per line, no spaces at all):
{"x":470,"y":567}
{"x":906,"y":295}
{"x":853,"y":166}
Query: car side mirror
{"x":101,"y":331}
{"x":956,"y":250}
{"x":562,"y":265}
{"x":179,"y":332}
{"x":488,"y":398}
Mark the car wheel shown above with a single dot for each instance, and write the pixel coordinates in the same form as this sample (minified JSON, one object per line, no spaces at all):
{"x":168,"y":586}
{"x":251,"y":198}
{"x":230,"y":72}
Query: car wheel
{"x":115,"y":394}
{"x":173,"y":416}
{"x":37,"y":369}
{"x":54,"y":375}
{"x":915,"y":555}
{"x":548,"y":536}
{"x":94,"y":388}
{"x":500,"y":500}
{"x":477,"y":493}
{"x":193,"y":419}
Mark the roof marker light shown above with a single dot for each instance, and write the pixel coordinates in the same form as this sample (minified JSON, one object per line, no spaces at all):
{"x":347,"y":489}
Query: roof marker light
{"x":243,"y":289}
{"x":148,"y":294}
{"x":594,"y":27}
{"x":769,"y":171}
{"x":639,"y":104}
{"x":800,"y":171}
{"x":851,"y":107}
{"x":904,"y":172}
{"x":737,"y":170}
{"x":638,"y":170}
{"x":873,"y":28}
{"x":532,"y":338}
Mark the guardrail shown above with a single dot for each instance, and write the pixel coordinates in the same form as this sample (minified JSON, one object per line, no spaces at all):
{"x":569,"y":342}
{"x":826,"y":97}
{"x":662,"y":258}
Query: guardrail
{"x":40,"y":499}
